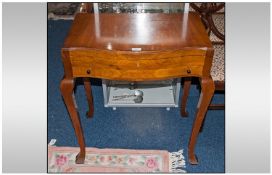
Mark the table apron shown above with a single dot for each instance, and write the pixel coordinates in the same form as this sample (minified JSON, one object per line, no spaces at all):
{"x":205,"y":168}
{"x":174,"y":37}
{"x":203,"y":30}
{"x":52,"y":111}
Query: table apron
{"x":137,"y":67}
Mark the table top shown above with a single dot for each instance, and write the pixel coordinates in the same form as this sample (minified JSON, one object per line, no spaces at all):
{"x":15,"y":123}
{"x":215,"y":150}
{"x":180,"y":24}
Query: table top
{"x":144,"y":31}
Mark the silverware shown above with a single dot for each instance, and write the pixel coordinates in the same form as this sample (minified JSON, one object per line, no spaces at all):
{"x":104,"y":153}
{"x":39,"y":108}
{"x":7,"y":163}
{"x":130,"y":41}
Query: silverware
{"x":138,"y":94}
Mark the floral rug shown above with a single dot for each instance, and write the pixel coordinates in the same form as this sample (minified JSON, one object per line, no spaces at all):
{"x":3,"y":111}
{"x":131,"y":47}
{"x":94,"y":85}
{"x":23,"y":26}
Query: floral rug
{"x":62,"y":159}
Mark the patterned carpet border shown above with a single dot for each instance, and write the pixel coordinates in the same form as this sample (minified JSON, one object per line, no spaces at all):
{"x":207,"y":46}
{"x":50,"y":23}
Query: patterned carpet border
{"x":62,"y":159}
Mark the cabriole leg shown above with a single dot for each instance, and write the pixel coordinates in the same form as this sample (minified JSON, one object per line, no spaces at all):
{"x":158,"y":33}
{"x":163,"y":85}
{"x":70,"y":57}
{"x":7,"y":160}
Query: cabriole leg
{"x":88,"y":90}
{"x":67,"y":87}
{"x":207,"y":91}
{"x":185,"y":94}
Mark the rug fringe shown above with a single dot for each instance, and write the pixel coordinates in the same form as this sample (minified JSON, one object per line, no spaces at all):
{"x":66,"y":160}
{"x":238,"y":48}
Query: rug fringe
{"x":176,"y":162}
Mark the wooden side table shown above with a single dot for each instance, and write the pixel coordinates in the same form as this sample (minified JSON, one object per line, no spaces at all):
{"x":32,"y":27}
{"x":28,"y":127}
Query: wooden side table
{"x":136,"y":47}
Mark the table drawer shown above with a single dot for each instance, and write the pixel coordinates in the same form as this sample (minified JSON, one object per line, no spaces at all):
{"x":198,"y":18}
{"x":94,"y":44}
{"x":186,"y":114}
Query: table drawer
{"x":138,"y":66}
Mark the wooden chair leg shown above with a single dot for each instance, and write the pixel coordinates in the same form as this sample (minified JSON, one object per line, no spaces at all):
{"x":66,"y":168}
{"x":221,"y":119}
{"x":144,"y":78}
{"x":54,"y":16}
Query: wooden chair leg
{"x":88,"y":90}
{"x":217,"y":106}
{"x":185,"y":94}
{"x":67,"y":87}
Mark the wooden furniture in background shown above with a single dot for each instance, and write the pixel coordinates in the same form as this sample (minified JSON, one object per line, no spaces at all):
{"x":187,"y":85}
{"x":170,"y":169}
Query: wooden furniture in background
{"x":136,"y":47}
{"x":206,"y":10}
{"x":86,"y":7}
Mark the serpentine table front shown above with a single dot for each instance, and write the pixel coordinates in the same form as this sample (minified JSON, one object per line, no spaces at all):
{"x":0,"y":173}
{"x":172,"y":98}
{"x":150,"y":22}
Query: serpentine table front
{"x":136,"y":47}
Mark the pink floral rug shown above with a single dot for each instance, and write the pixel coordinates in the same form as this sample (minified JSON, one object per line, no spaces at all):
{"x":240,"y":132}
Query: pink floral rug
{"x":62,"y":159}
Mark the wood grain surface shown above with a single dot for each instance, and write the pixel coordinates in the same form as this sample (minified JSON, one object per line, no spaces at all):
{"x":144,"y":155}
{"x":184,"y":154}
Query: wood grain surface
{"x":155,"y":31}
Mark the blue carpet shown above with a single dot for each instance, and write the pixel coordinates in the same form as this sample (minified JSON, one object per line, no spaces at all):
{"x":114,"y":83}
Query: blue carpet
{"x":130,"y":128}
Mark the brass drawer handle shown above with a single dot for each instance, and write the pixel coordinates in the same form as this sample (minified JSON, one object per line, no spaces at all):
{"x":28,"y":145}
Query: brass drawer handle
{"x":88,"y":71}
{"x":188,"y":71}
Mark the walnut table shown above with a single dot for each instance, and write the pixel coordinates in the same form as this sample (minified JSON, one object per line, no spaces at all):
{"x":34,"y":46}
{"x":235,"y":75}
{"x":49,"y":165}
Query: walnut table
{"x":136,"y":47}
